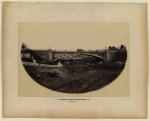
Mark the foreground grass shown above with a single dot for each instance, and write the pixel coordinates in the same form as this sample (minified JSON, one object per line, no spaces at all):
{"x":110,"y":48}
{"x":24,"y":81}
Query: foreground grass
{"x":73,"y":78}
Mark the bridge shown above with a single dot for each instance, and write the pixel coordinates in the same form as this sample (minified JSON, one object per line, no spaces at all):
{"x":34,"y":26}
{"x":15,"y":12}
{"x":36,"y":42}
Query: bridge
{"x":49,"y":56}
{"x":71,"y":56}
{"x":94,"y":55}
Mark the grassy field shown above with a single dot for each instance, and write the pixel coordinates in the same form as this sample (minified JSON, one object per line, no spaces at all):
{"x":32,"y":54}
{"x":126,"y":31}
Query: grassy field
{"x":76,"y":78}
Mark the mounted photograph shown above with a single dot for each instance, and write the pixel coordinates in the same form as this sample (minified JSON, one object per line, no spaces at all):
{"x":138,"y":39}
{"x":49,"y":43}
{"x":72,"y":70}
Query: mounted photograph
{"x":74,"y":60}
{"x":74,"y":57}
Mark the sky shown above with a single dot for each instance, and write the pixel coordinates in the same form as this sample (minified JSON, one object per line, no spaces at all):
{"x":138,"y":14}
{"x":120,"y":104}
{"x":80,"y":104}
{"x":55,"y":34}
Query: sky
{"x":73,"y":35}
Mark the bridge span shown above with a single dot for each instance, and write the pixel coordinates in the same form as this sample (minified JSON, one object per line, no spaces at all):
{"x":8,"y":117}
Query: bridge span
{"x":71,"y":56}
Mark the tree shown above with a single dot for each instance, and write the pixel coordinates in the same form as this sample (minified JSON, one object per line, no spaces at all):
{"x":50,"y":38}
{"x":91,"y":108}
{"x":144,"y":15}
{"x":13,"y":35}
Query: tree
{"x":122,"y":47}
{"x":24,"y":46}
{"x":109,"y":48}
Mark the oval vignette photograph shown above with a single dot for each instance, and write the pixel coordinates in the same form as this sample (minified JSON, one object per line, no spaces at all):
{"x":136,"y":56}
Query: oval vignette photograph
{"x":74,"y":57}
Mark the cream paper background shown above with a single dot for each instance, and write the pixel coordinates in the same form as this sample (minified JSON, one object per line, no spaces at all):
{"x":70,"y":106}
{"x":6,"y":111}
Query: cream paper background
{"x":133,"y":106}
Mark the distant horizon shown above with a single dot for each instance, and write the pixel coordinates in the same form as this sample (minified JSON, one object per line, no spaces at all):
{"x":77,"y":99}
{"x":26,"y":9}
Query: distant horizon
{"x":73,"y":49}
